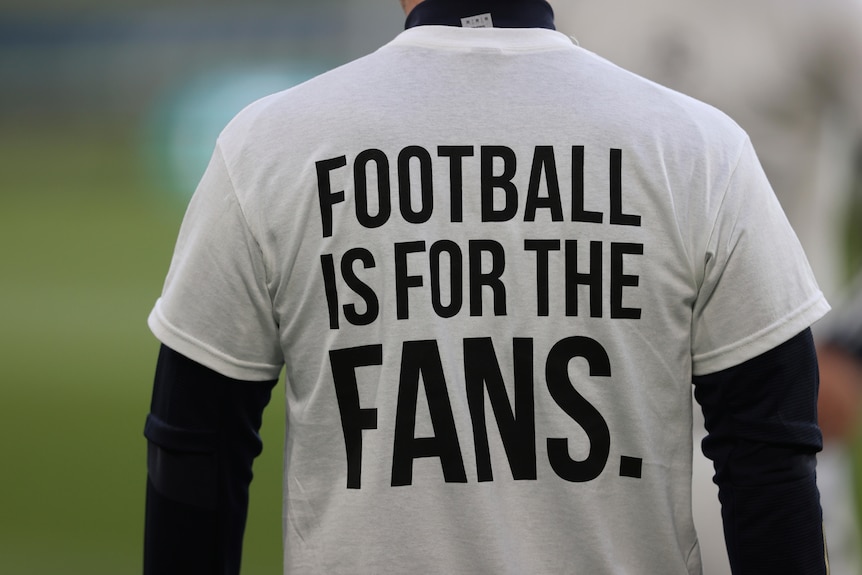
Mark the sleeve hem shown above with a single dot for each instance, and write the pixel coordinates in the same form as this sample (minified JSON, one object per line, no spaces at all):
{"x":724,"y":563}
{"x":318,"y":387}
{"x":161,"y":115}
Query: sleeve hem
{"x":763,"y":340}
{"x":207,"y":355}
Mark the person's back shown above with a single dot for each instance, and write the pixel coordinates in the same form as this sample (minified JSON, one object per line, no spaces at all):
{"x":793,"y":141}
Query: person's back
{"x":491,"y":263}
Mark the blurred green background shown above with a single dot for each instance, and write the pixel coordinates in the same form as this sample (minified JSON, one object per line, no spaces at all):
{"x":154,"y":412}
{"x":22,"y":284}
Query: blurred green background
{"x":108,"y":113}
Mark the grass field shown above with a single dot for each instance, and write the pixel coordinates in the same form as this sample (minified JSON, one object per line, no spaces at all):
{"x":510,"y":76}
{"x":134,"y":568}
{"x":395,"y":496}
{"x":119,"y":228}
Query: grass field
{"x":85,"y":245}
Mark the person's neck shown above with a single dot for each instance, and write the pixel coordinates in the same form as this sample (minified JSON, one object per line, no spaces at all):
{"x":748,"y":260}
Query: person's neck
{"x":482,"y":13}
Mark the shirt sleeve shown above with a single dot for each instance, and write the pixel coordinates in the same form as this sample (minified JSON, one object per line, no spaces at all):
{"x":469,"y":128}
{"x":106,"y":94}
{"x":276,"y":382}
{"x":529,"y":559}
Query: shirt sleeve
{"x":216,"y":307}
{"x":756,"y":288}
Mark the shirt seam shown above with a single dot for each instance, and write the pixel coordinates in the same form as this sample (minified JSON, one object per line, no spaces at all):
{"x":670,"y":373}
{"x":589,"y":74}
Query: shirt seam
{"x":800,"y":312}
{"x":158,"y":320}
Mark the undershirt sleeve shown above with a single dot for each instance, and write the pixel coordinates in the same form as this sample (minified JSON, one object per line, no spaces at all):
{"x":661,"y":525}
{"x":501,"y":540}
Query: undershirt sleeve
{"x":763,"y":436}
{"x":202,"y":437}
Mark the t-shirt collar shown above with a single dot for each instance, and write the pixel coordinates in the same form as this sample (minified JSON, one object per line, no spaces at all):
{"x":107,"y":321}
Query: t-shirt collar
{"x":483,"y":14}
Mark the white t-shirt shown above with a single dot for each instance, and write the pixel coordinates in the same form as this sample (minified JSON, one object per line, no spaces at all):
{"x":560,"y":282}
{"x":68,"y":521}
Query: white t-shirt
{"x":490,"y":262}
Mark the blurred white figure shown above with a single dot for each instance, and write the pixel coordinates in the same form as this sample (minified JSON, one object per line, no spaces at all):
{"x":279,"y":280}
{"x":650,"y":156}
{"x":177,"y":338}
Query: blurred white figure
{"x":790,"y":73}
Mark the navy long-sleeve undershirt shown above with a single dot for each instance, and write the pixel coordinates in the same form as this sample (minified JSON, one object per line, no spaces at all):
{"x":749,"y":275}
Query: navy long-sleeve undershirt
{"x":762,"y":436}
{"x":202,"y":434}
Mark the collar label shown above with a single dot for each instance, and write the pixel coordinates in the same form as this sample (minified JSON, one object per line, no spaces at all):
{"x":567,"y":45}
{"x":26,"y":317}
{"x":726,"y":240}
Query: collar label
{"x":478,"y":21}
